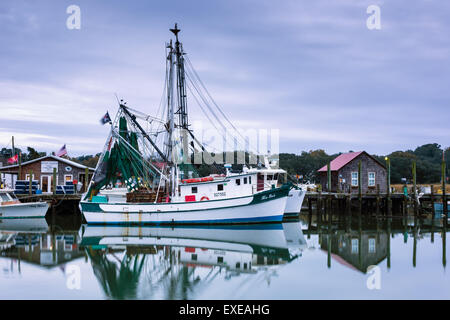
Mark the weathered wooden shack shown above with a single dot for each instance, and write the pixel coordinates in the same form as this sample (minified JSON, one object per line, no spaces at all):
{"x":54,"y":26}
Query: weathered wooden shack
{"x":345,"y":177}
{"x":357,"y":250}
{"x":42,"y":172}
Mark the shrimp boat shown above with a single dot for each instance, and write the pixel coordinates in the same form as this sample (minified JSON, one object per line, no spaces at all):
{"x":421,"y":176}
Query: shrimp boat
{"x":12,"y":208}
{"x":155,"y":166}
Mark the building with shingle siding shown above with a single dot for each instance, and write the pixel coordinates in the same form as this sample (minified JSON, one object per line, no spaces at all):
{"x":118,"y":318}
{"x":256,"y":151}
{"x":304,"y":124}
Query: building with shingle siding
{"x":42,"y":170}
{"x":344,"y":174}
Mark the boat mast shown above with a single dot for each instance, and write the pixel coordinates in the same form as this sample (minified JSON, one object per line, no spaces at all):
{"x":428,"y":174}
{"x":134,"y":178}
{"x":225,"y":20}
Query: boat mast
{"x":183,"y":123}
{"x":171,"y":121}
{"x":181,"y":86}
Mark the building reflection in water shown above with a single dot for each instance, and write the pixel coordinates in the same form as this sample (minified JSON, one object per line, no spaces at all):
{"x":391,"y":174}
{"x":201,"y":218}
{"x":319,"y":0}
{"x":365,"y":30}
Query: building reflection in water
{"x":359,"y":241}
{"x":32,"y":241}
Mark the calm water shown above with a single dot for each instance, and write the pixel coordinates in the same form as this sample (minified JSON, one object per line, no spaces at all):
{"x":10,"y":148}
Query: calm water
{"x":309,"y":258}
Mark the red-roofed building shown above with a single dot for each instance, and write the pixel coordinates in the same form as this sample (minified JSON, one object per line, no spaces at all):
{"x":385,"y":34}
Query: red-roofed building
{"x":344,"y":173}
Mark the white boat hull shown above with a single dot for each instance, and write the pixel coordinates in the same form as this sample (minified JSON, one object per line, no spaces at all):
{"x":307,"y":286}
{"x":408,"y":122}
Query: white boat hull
{"x":294,"y":201}
{"x":267,"y":206}
{"x":23,"y":210}
{"x":238,"y":238}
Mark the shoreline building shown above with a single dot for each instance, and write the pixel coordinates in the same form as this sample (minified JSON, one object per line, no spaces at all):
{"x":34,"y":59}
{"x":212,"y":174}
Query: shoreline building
{"x":344,"y":174}
{"x":42,"y":171}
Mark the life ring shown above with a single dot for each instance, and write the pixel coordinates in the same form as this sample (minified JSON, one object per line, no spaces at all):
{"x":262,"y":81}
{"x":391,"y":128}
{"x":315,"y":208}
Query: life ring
{"x":204,"y":198}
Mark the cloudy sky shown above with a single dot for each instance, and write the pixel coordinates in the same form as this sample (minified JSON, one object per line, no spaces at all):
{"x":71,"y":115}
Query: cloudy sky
{"x":311,"y":69}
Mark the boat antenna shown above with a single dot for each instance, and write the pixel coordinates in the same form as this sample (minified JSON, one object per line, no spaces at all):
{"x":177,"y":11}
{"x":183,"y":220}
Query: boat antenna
{"x":175,"y":31}
{"x":181,"y":85}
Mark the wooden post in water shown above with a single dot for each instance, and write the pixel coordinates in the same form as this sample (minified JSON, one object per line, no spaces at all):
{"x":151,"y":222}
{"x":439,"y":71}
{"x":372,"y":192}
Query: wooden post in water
{"x":348,"y":204}
{"x":378,"y":199}
{"x":432,"y":200}
{"x":444,"y":196}
{"x":86,"y":178}
{"x":54,"y":181}
{"x":329,"y":177}
{"x":359,"y":186}
{"x":13,"y":149}
{"x":389,"y":231}
{"x":309,"y":219}
{"x":415,"y":241}
{"x":414,"y":185}
{"x":30,"y":186}
{"x":19,"y":176}
{"x":329,"y":249}
{"x":433,"y":216}
{"x":359,"y":181}
{"x":388,"y":182}
{"x":53,"y":232}
{"x":444,"y":244}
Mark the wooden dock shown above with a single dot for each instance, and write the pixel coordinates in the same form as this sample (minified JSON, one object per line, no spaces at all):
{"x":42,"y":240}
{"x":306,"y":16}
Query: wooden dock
{"x":50,"y":198}
{"x":374,"y":202}
{"x":59,"y":203}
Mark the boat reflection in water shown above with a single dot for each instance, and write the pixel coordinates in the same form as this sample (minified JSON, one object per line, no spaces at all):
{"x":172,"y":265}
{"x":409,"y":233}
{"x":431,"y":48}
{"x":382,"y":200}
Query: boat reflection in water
{"x":30,"y":241}
{"x":167,"y":263}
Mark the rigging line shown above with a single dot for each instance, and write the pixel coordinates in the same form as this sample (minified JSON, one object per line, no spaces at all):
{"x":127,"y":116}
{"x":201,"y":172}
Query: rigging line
{"x":212,"y":111}
{"x":190,"y":65}
{"x":203,"y":110}
{"x":132,"y":148}
{"x":137,"y":125}
{"x":205,"y":102}
{"x":193,"y":79}
{"x":144,"y":116}
{"x":163,"y":96}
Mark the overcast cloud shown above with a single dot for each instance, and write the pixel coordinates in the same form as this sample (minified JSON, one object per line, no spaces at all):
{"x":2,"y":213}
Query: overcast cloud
{"x":309,"y":68}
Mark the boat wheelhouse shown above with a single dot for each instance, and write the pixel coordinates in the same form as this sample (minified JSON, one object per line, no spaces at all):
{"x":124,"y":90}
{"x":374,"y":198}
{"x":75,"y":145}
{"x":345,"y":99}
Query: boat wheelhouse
{"x":269,"y":177}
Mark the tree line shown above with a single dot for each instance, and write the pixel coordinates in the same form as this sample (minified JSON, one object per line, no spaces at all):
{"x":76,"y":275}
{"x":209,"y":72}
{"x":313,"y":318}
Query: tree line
{"x":428,"y":159}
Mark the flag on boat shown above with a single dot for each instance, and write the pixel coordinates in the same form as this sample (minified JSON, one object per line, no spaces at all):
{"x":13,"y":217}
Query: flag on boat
{"x":106,"y":118}
{"x":62,"y":151}
{"x":13,"y":159}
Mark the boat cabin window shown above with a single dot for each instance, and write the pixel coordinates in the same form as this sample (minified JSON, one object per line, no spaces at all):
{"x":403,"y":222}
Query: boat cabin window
{"x":4,"y":197}
{"x":220,"y":187}
{"x":250,"y":180}
{"x":219,"y":259}
{"x":275,"y":176}
{"x":238,"y":265}
{"x":238,"y":182}
{"x":245,"y":180}
{"x":245,"y":266}
{"x":194,"y":190}
{"x":194,"y":257}
{"x":269,"y":177}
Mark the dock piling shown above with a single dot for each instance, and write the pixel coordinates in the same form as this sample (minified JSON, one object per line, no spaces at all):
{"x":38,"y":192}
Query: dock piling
{"x":54,"y":181}
{"x":444,"y":196}
{"x":86,"y":177}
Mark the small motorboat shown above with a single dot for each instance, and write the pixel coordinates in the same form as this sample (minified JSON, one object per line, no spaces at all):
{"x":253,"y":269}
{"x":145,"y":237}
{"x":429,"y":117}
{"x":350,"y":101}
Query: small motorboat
{"x":12,"y":208}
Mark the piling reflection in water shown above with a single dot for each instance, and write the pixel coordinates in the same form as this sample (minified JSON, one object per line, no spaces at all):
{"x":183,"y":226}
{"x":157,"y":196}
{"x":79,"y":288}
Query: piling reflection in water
{"x":360,"y":240}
